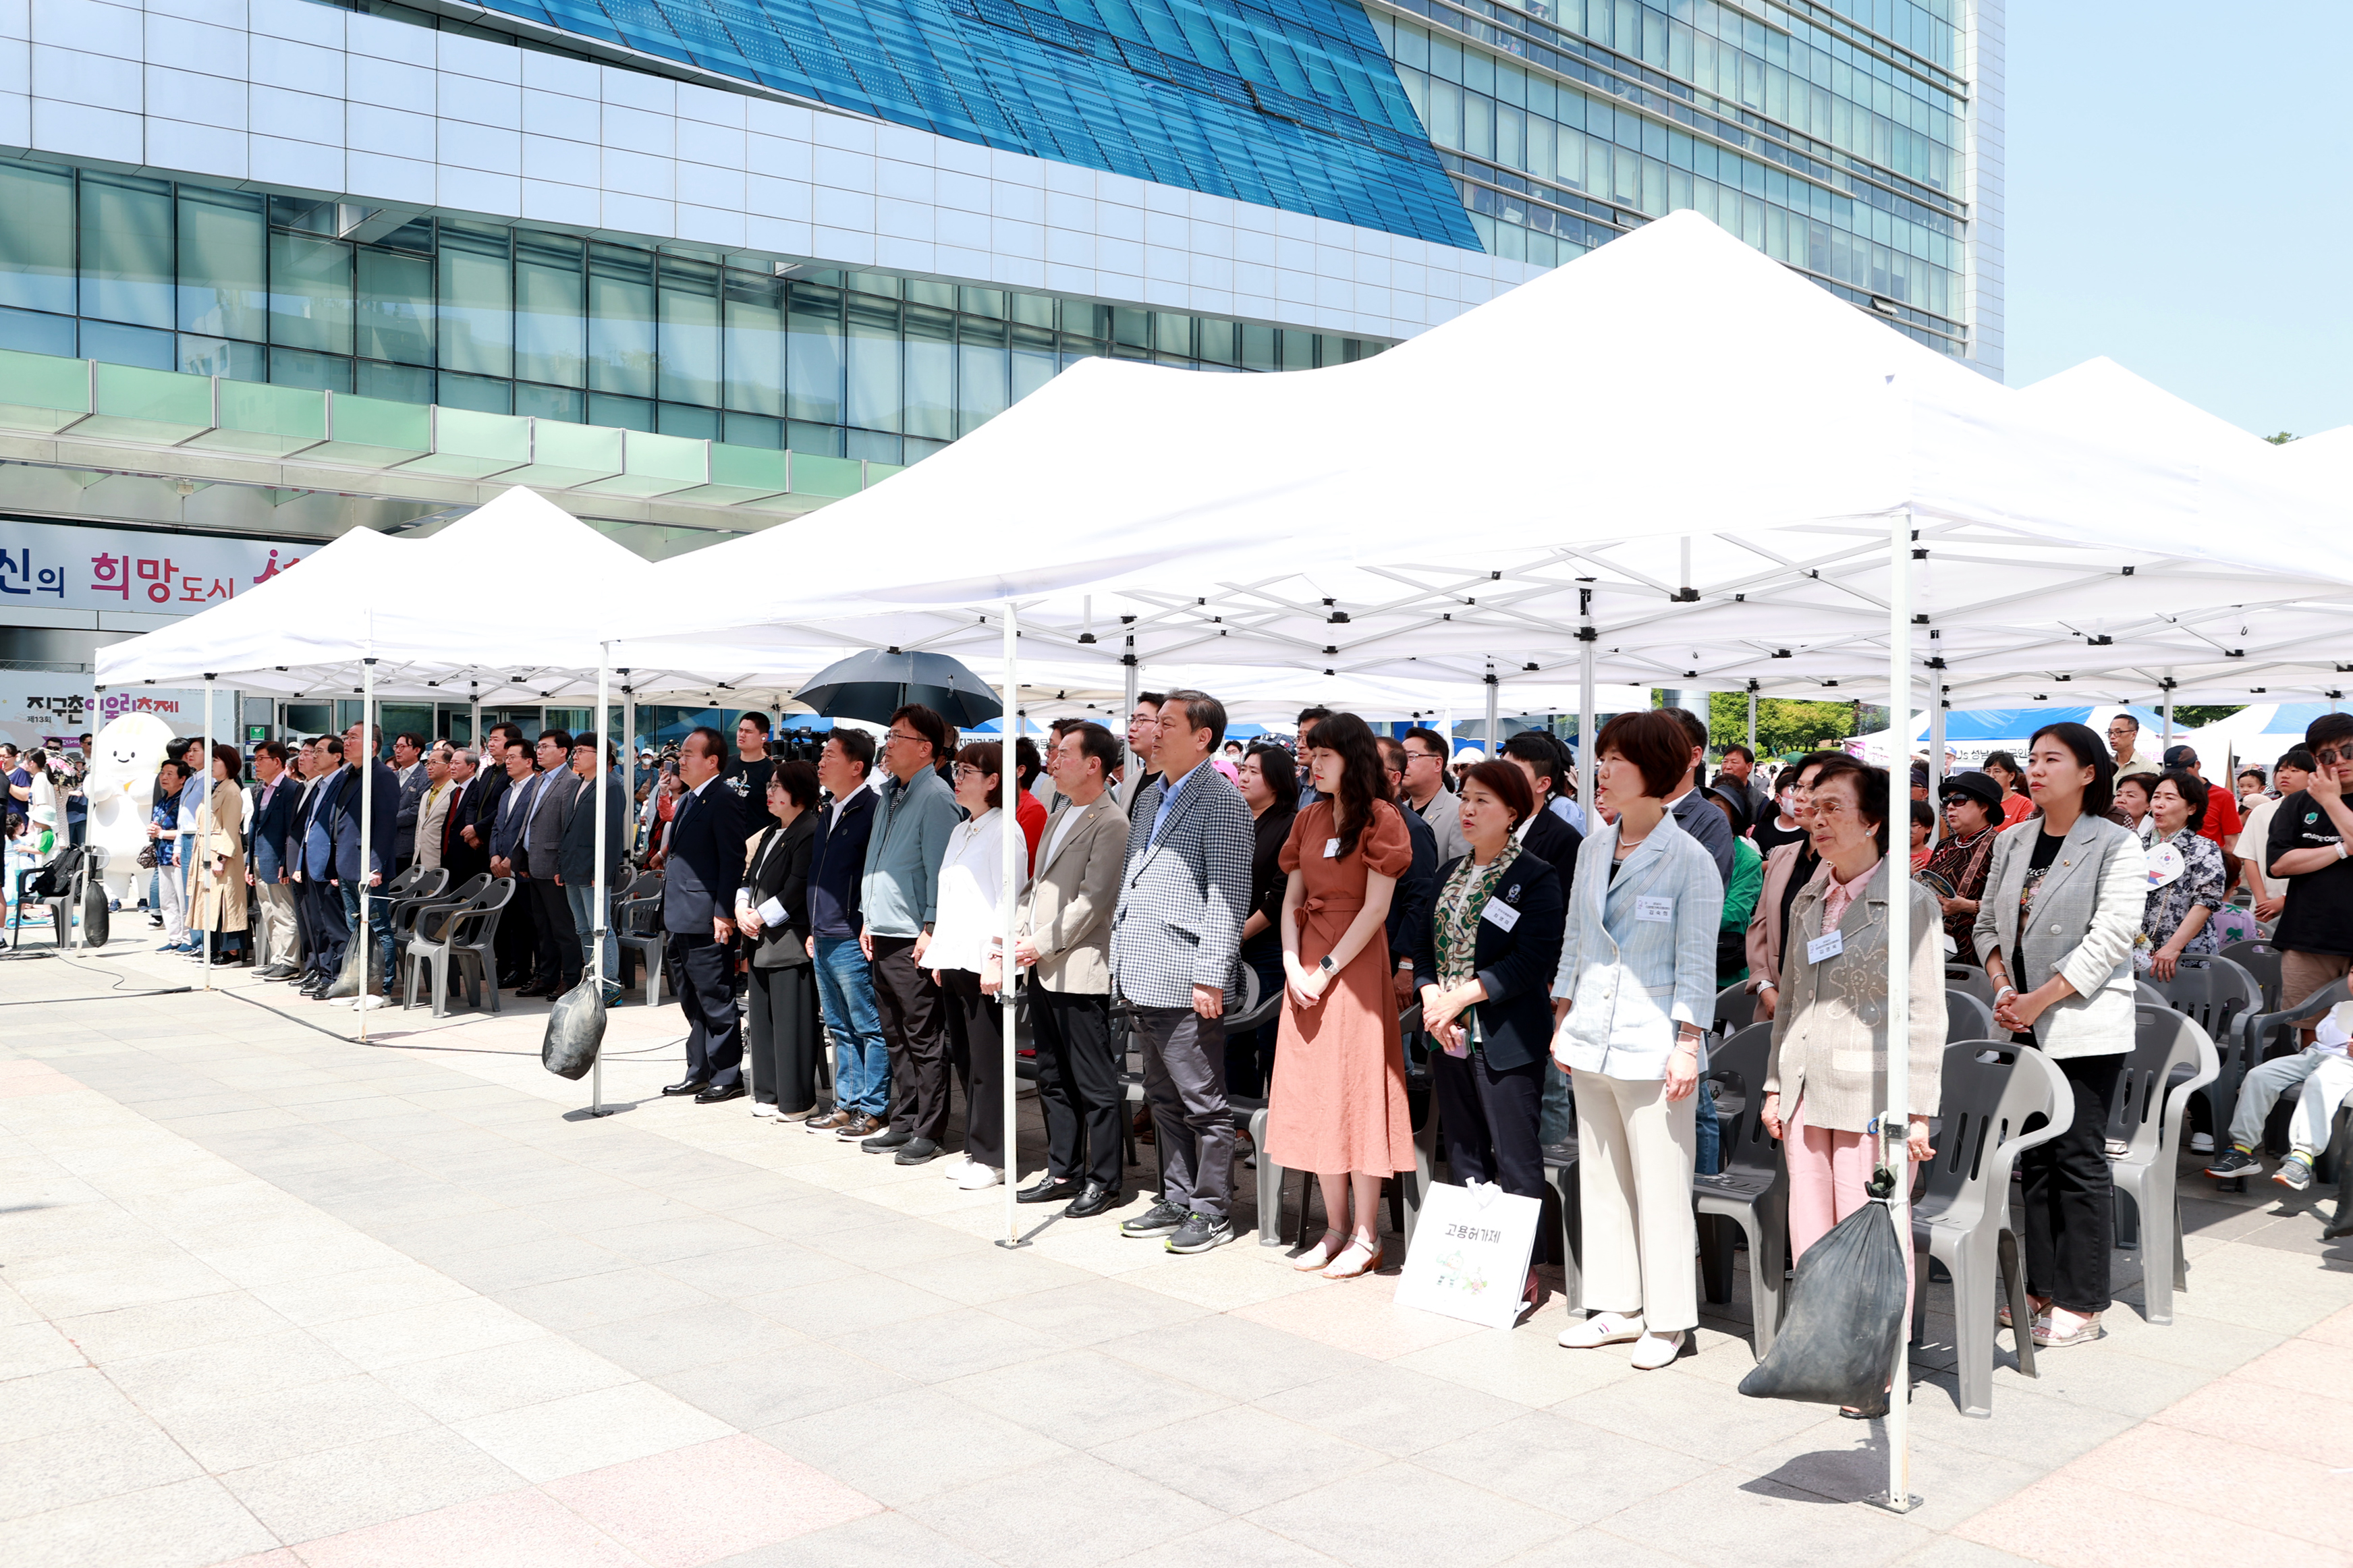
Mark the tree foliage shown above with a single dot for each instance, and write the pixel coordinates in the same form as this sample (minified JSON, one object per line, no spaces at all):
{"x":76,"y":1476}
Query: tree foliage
{"x":1783,"y":724}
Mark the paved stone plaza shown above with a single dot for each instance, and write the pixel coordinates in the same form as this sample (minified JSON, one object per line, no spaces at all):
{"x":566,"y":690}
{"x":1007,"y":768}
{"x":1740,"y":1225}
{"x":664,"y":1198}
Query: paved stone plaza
{"x":278,"y":1299}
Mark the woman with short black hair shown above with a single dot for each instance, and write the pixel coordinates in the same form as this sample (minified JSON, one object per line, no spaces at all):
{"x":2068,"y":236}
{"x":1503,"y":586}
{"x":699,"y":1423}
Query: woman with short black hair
{"x":2062,"y":906}
{"x":2186,"y":875}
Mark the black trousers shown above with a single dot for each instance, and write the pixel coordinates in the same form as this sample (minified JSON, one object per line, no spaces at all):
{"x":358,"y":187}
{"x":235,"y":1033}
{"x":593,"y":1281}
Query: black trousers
{"x":2070,"y":1218}
{"x":517,"y":943}
{"x":329,"y":926}
{"x":706,"y":995}
{"x":306,"y":938}
{"x":976,"y":1030}
{"x":1078,"y":1084}
{"x":556,"y":940}
{"x":914,"y":1036}
{"x":1489,"y":1116}
{"x":782,"y":1042}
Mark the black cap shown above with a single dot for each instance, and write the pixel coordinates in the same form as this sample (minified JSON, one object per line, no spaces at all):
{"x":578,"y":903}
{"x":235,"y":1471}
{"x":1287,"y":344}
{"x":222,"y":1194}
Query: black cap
{"x":2180,"y":757}
{"x":1981,"y":786}
{"x":1919,"y":776}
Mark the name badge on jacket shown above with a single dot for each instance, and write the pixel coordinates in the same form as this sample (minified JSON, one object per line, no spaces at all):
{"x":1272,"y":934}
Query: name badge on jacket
{"x":1657,"y":911}
{"x":1829,"y":945}
{"x":1502,"y":914}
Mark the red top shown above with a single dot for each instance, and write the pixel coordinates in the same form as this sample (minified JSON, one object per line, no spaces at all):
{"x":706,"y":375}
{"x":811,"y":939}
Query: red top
{"x":2221,"y":814}
{"x":1031,"y":815}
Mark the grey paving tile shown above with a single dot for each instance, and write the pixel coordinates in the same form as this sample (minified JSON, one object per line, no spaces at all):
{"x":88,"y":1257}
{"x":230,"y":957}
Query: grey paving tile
{"x":1233,"y":1543}
{"x":528,"y":1265}
{"x":1768,"y":1524}
{"x":850,"y":1304}
{"x":877,"y":1541}
{"x":1580,"y":1472}
{"x":1403,"y":1516}
{"x":748,"y":1272}
{"x":213,"y":1376}
{"x":663,"y":1343}
{"x":231,"y":1434}
{"x":83,"y":1464}
{"x":1083,"y":1397}
{"x":1233,"y":1356}
{"x":1095,"y":1311}
{"x":687,"y":1235}
{"x":186,"y":1524}
{"x":1062,"y":1513}
{"x":329,"y":1491}
{"x":1391,"y":1409}
{"x":903,"y":1446}
{"x":1690,"y":1413}
{"x":485,"y":1382}
{"x":759,"y":1391}
{"x":955,"y":1343}
{"x":1240,"y":1457}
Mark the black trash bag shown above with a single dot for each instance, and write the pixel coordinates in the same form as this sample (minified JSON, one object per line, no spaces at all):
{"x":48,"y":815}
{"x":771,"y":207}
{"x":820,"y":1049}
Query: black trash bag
{"x":96,"y":928}
{"x":1837,"y":1343}
{"x":575,"y":1029}
{"x":352,"y":978}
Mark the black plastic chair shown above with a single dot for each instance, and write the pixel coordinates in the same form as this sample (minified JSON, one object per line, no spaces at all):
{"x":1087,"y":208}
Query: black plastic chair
{"x":1990,"y":1092}
{"x":1752,"y":1191}
{"x":1966,"y":1019}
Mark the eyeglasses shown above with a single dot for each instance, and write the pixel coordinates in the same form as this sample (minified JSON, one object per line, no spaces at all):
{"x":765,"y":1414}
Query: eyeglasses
{"x":966,"y":771}
{"x":901,"y":735}
{"x":2328,"y":756}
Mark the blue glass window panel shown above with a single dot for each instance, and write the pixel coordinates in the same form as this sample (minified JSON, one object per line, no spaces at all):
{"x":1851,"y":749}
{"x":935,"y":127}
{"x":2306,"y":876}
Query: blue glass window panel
{"x":128,"y":345}
{"x":1292,"y":105}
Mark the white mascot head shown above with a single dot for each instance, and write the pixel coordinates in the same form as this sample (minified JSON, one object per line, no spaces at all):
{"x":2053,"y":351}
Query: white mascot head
{"x":124,"y":761}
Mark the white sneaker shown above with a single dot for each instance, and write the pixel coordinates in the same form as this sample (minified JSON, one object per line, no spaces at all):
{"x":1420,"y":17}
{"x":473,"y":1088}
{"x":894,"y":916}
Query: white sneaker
{"x":2201,"y":1142}
{"x":366,"y":1003}
{"x":975,"y":1177}
{"x":762,"y":1107}
{"x":954,"y":1169}
{"x":1601,"y":1328}
{"x":340,"y":1001}
{"x":1653,"y":1352}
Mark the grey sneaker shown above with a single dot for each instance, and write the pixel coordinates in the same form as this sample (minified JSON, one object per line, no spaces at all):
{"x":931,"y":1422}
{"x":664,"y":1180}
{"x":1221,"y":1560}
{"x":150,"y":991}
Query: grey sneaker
{"x":2295,"y":1172}
{"x":1158,"y":1220}
{"x":1200,"y":1233}
{"x":2237,"y":1162}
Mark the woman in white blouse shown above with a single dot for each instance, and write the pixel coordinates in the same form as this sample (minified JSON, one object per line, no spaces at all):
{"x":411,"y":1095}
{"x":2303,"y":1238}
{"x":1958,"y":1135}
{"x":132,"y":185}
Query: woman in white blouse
{"x":967,"y":939}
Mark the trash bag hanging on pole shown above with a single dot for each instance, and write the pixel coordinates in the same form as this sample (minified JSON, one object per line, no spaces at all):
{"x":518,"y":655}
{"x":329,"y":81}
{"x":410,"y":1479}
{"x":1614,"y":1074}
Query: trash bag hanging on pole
{"x":1837,"y":1343}
{"x":575,"y":1029}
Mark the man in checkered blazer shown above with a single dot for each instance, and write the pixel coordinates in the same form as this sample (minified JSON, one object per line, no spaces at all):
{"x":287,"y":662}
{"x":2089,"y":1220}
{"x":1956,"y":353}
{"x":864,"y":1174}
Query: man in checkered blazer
{"x":1184,"y":893}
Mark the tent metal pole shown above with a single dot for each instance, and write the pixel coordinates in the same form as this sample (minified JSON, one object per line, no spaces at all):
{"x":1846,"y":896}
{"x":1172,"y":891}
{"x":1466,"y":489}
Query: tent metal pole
{"x":1010,"y":829}
{"x":1751,"y":722}
{"x":596,"y":918}
{"x":1133,"y":684}
{"x":1936,"y":751}
{"x":2167,"y":742}
{"x":1587,"y":638}
{"x":367,"y":823}
{"x":1494,"y":704}
{"x":1894,"y":1118}
{"x":203,"y":832}
{"x":629,"y":762}
{"x":474,"y":724}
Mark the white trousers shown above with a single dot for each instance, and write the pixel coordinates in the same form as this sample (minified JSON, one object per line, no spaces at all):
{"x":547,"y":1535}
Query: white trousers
{"x":2323,"y":1091}
{"x":1634,"y":1176}
{"x":176,"y":903}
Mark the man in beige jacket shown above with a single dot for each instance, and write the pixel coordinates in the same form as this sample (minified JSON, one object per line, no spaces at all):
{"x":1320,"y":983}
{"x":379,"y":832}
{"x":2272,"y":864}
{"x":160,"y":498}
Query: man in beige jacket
{"x":1062,"y":936}
{"x":433,"y":806}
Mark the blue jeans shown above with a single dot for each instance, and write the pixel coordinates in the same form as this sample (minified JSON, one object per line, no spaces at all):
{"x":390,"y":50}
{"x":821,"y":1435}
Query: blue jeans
{"x":583,"y":902}
{"x":845,"y":988}
{"x":379,"y":924}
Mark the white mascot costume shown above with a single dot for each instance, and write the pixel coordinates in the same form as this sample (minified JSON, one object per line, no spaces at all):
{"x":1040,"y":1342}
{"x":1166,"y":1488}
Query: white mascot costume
{"x":120,"y":789}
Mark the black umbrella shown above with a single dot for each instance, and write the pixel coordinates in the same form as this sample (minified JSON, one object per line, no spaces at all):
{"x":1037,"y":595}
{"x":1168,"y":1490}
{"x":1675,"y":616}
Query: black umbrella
{"x":876,"y":684}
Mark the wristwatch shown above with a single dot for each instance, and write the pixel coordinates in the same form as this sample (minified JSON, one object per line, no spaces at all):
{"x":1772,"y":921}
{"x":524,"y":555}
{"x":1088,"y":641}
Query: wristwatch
{"x":1326,"y":965}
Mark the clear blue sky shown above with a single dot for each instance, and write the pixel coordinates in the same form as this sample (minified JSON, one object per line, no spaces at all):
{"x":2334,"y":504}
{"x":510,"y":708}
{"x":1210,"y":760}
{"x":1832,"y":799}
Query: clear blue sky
{"x":2181,"y":199}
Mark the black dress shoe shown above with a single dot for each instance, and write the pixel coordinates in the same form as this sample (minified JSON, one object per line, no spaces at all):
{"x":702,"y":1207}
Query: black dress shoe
{"x":718,"y":1092}
{"x":1048,"y":1190}
{"x":882,"y":1143}
{"x":916,"y":1150}
{"x":535,"y":991}
{"x":687,"y":1086}
{"x":1093,"y":1199}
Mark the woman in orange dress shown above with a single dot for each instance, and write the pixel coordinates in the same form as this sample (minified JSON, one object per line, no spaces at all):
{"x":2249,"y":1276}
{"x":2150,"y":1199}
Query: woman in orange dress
{"x":1338,"y":1104}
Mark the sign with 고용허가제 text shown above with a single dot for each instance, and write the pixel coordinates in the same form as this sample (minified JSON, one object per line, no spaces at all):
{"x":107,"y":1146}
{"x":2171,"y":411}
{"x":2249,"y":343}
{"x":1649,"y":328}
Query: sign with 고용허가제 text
{"x":67,"y":566}
{"x":1470,"y":1253}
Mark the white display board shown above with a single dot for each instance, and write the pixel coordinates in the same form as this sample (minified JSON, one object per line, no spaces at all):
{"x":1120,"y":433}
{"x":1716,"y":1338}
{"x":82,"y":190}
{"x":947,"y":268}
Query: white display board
{"x":67,"y":566}
{"x":1470,"y":1253}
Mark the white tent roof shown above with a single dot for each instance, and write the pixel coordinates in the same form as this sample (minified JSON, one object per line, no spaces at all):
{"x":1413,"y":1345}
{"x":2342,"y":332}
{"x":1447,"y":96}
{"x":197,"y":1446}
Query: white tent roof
{"x":1719,"y":483}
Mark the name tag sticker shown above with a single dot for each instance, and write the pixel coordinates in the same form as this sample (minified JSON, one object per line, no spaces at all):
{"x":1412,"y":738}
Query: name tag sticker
{"x":1331,"y":849}
{"x":1658,"y":911}
{"x":1502,"y":914}
{"x":1827,"y":946}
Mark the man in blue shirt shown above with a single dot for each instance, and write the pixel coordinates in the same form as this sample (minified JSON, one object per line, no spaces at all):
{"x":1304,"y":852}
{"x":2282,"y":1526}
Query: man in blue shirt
{"x":845,"y":982}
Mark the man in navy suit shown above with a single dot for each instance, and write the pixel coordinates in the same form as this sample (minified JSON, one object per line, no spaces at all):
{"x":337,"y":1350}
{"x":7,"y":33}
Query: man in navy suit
{"x":699,"y":875}
{"x":273,"y":900}
{"x":313,"y":831}
{"x":382,"y":802}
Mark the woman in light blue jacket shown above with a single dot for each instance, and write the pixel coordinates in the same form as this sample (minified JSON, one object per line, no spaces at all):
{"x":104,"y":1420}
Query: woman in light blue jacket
{"x":1635,"y":991}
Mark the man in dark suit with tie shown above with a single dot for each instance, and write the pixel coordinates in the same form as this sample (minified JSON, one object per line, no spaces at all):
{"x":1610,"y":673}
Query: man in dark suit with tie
{"x":462,"y":859}
{"x":503,"y":821}
{"x":370,"y":790}
{"x":265,"y":868}
{"x":314,"y":830}
{"x":699,"y":875}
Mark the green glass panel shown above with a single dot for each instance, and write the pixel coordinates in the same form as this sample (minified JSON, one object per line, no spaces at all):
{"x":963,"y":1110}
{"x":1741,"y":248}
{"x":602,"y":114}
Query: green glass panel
{"x":551,"y":325}
{"x":834,"y":477}
{"x":930,"y":407}
{"x":621,"y":320}
{"x":980,"y":374}
{"x":564,"y":455}
{"x":127,"y":266}
{"x":468,"y":445}
{"x":875,"y":474}
{"x":755,"y":343}
{"x":476,"y":300}
{"x":688,"y":355}
{"x":42,"y":392}
{"x":37,"y":238}
{"x":136,"y":405}
{"x":224,"y":283}
{"x":310,"y":293}
{"x":374,"y":431}
{"x":813,"y":352}
{"x":268,"y":421}
{"x":874,"y":354}
{"x":395,"y":307}
{"x":742,"y":474}
{"x":659,"y":466}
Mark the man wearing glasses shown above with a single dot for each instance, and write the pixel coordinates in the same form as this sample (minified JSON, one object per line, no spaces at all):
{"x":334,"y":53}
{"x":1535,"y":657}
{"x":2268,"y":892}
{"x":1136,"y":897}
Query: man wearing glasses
{"x":1184,"y":892}
{"x":898,"y":896}
{"x":2123,"y":735}
{"x":1425,"y":786}
{"x":1142,"y":745}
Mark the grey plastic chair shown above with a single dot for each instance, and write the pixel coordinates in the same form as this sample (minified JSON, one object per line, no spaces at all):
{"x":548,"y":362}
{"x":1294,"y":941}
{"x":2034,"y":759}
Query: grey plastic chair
{"x":1969,"y":980}
{"x":1752,"y":1191}
{"x":2149,"y":996}
{"x":2147,"y":1115}
{"x":2218,"y":993}
{"x":409,"y":911}
{"x":1966,"y":1019}
{"x":638,"y":929}
{"x":1562,"y":1173}
{"x":455,"y":942}
{"x":1735,"y":1008}
{"x":1990,"y":1090}
{"x":2261,"y":1036}
{"x":2262,"y":960}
